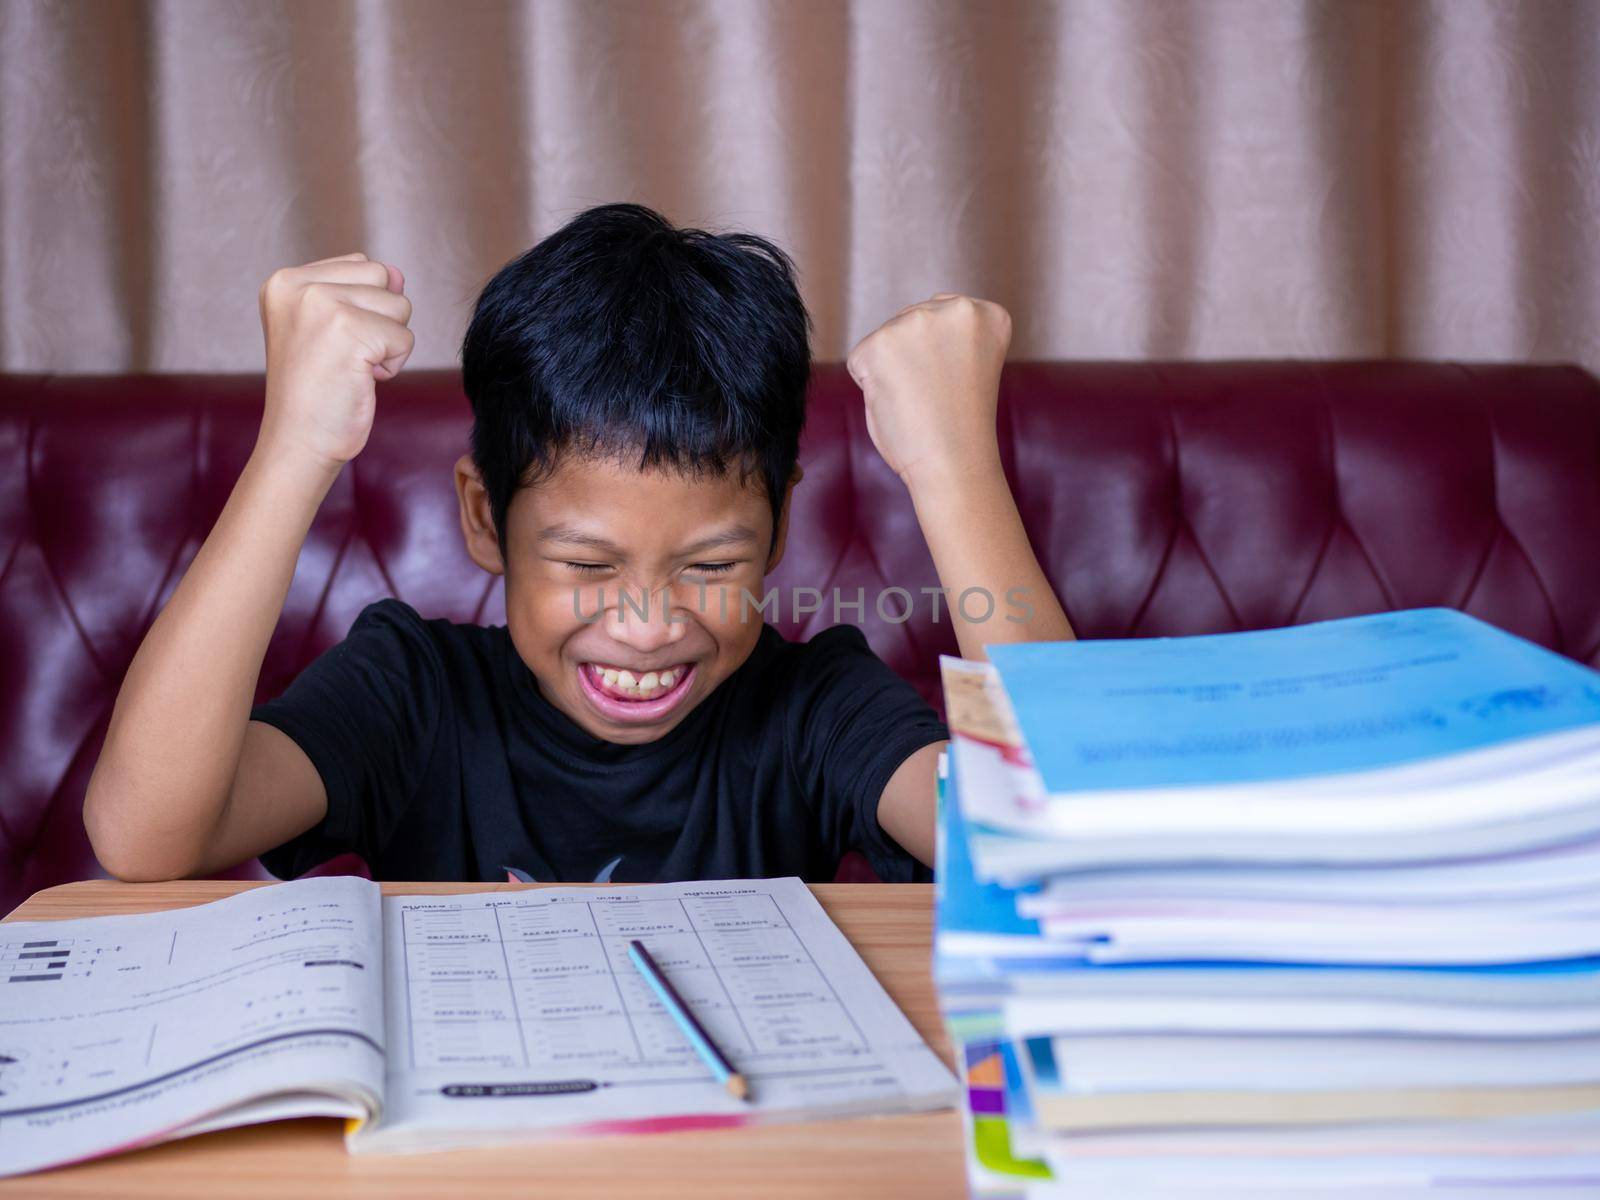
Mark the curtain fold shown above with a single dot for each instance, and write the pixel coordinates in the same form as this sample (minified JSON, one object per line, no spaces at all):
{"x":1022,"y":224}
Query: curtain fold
{"x":1131,"y":178}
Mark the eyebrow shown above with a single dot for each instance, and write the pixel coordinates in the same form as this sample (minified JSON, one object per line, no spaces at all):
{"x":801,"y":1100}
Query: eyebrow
{"x":733,"y":535}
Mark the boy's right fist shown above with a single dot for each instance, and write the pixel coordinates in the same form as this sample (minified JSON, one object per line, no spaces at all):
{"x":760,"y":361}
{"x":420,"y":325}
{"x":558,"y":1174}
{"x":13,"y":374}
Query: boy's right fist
{"x":333,"y":329}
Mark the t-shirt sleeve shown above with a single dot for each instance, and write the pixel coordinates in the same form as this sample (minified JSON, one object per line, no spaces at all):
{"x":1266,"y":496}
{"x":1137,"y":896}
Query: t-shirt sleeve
{"x":366,"y":713}
{"x":852,"y":723}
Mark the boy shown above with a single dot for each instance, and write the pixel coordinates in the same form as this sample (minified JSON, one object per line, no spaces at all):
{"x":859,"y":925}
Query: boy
{"x":638,"y":394}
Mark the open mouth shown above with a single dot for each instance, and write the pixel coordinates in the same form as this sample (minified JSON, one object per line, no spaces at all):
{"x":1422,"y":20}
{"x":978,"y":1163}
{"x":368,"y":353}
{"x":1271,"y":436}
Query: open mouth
{"x":625,"y":695}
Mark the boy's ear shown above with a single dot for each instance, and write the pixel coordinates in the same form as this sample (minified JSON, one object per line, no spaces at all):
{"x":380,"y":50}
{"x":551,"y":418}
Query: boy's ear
{"x":781,"y":536}
{"x":477,"y":521}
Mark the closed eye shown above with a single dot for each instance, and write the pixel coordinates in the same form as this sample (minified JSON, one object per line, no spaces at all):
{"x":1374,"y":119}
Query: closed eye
{"x":712,"y":568}
{"x":586,"y":566}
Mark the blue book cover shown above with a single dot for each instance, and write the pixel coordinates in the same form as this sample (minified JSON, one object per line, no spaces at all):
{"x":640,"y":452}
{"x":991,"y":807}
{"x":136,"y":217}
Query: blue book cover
{"x":961,"y":902}
{"x":1357,"y":693}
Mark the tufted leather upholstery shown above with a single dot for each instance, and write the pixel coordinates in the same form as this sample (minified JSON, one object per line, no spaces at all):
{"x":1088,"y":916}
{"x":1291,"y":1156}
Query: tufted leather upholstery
{"x":1163,"y":498}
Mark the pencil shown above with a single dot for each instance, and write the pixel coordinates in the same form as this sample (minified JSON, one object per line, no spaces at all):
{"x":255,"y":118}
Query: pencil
{"x":707,"y":1049}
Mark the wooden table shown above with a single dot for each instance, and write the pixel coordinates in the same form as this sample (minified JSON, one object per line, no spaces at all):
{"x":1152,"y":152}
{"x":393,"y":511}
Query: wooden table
{"x":890,"y":926}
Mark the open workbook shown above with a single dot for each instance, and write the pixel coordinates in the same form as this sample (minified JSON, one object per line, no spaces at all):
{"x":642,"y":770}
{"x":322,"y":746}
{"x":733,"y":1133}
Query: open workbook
{"x":440,"y":1021}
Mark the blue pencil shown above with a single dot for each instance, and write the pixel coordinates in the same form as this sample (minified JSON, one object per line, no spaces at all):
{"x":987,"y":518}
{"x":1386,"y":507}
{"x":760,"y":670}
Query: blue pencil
{"x":692,"y":1029}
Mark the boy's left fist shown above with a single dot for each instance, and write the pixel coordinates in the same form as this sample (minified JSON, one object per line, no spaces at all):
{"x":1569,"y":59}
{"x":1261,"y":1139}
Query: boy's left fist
{"x":930,"y":376}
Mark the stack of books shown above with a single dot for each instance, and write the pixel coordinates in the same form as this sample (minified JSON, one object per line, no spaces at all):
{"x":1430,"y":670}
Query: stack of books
{"x":1275,"y":913}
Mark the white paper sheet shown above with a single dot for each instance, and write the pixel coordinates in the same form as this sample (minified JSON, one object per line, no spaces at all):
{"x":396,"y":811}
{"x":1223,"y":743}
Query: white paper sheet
{"x":518,"y":1015}
{"x":116,"y":1031}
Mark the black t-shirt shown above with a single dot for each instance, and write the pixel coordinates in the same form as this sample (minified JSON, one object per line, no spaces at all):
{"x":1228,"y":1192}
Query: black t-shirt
{"x":442,"y":760}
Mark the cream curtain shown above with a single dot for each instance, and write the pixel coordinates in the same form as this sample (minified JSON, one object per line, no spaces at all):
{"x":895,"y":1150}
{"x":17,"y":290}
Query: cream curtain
{"x":1131,"y":178}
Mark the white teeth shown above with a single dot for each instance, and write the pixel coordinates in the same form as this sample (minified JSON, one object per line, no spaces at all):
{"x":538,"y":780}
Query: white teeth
{"x":643,"y":687}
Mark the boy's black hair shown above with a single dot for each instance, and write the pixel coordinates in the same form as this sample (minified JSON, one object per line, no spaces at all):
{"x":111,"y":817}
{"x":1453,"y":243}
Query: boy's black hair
{"x":621,"y":334}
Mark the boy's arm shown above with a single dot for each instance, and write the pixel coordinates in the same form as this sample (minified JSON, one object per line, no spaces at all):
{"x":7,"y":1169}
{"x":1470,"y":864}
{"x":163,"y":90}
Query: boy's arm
{"x":905,"y":810}
{"x":186,"y":783}
{"x":931,"y":380}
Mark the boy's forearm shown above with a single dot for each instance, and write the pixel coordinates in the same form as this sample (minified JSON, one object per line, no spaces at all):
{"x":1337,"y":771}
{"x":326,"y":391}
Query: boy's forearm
{"x":981,"y":550}
{"x":173,"y":745}
{"x":930,"y":379}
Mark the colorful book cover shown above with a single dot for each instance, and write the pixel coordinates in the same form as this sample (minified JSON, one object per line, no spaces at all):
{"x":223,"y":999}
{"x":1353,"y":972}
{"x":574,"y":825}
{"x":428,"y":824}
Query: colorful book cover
{"x":993,"y":1168}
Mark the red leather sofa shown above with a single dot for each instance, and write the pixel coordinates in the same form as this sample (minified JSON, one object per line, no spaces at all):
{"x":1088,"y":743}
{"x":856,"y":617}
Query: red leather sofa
{"x":1163,"y":498}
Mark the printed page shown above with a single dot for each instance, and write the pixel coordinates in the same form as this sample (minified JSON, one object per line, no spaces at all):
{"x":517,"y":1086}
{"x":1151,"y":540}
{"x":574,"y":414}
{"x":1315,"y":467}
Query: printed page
{"x":117,"y":1031}
{"x":518,"y":1014}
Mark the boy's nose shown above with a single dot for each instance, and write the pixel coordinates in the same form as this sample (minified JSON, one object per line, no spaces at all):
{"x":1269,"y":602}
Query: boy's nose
{"x":640,"y":620}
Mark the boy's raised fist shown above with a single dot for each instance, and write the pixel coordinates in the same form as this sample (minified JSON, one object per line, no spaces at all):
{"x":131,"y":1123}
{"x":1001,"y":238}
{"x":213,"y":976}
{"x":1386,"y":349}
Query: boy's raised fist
{"x":930,"y":376}
{"x":333,"y":329}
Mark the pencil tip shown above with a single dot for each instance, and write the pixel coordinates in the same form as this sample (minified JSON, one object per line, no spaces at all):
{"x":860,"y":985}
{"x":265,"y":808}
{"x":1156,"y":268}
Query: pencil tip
{"x":737,"y":1085}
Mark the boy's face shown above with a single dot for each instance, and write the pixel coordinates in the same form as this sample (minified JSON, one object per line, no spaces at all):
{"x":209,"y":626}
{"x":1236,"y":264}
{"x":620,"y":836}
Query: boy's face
{"x":623,"y":587}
